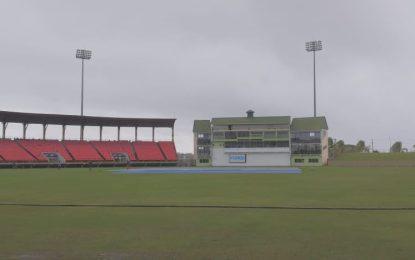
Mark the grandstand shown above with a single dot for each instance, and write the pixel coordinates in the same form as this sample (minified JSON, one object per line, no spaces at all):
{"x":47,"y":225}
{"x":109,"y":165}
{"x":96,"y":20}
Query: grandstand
{"x":45,"y":152}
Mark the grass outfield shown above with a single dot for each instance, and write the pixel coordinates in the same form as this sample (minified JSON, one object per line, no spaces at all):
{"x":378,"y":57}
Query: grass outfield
{"x":117,"y":233}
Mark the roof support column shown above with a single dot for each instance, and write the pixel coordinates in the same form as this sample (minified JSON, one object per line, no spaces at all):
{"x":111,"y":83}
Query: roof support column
{"x":118,"y":133}
{"x":172,"y":133}
{"x":4,"y":129}
{"x":24,"y":130}
{"x":100,"y":132}
{"x":45,"y":126}
{"x":81,"y":135}
{"x":153,"y":134}
{"x":63,"y":132}
{"x":136,"y":132}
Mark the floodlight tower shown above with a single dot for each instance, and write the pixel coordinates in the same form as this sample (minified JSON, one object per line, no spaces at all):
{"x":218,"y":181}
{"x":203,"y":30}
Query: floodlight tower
{"x":314,"y":46}
{"x":83,"y":55}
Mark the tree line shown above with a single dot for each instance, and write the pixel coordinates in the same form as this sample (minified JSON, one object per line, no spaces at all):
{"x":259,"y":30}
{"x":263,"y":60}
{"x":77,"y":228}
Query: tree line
{"x":339,"y":147}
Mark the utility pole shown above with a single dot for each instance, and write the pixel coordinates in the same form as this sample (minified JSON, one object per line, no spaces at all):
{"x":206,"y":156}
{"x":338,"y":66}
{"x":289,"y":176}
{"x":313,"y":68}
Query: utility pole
{"x":372,"y":145}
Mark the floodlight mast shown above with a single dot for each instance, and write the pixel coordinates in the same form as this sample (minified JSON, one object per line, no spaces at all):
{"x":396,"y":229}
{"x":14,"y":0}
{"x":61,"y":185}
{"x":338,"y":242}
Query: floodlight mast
{"x":83,"y":55}
{"x":314,"y":46}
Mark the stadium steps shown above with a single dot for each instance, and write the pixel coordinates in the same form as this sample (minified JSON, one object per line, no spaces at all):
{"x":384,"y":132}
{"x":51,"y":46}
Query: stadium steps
{"x":169,"y":150}
{"x":162,"y":152}
{"x":67,"y":150}
{"x":97,"y":150}
{"x":134,"y":152}
{"x":26,"y":150}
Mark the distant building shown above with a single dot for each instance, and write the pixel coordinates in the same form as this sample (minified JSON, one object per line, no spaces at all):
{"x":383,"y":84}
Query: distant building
{"x":309,"y":141}
{"x":185,"y":159}
{"x":202,"y":142}
{"x":260,"y":141}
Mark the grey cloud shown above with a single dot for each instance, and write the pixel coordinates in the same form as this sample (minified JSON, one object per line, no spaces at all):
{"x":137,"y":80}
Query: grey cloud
{"x":198,"y":59}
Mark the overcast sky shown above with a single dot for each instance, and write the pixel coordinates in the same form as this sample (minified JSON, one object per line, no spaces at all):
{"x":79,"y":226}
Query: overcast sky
{"x":202,"y":59}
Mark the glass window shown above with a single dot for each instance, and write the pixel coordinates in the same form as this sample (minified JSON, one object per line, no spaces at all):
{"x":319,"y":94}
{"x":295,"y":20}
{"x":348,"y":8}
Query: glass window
{"x":270,"y":143}
{"x":305,"y":137}
{"x":313,"y":160}
{"x":230,"y":135}
{"x":203,"y":150}
{"x":231,"y":144}
{"x":283,"y":143}
{"x":257,"y":134}
{"x":270,"y":134}
{"x":282,"y":134}
{"x":203,"y":136}
{"x":243,"y":134}
{"x":203,"y":141}
{"x":305,"y":148}
{"x":218,"y":135}
{"x":255,"y":144}
{"x":299,"y":160}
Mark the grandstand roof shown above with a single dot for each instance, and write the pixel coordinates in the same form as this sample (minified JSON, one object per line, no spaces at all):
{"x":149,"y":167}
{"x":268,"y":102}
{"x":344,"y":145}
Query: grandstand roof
{"x":265,"y":120}
{"x":309,"y":124}
{"x":201,"y":126}
{"x":56,"y":119}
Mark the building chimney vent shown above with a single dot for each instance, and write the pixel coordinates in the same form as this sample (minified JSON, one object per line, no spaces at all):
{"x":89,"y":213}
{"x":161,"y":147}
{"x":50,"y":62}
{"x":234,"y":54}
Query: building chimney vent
{"x":250,"y":113}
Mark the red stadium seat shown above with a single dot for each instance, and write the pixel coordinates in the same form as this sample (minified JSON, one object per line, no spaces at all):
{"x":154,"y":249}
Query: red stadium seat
{"x":12,"y":152}
{"x":148,"y":151}
{"x":82,"y":151}
{"x":38,"y":147}
{"x":107,"y":148}
{"x":169,"y":150}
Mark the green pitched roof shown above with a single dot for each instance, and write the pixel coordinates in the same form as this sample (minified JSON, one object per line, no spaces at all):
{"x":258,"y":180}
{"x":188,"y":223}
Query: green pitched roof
{"x":201,"y":126}
{"x":309,"y":124}
{"x":265,"y":120}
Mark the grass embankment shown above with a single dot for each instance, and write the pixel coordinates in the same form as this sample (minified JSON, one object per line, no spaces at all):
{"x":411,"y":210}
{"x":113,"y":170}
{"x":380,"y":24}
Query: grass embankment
{"x":375,"y":159}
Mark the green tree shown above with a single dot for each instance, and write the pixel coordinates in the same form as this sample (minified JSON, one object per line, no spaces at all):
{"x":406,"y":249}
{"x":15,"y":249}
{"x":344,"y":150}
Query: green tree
{"x":331,"y":142}
{"x":396,"y":147}
{"x":361,"y":146}
{"x":339,"y":146}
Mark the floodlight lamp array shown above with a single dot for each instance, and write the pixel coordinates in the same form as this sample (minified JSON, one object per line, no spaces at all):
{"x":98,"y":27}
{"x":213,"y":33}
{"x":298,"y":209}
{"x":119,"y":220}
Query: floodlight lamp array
{"x":83,"y":54}
{"x":314,"y":46}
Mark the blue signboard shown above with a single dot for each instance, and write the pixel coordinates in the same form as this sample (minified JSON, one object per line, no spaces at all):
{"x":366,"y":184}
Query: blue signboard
{"x":237,"y":158}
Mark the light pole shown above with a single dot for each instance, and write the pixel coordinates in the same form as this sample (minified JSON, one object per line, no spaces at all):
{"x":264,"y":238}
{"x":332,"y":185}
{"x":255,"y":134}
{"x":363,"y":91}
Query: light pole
{"x":83,"y":55}
{"x":314,"y":46}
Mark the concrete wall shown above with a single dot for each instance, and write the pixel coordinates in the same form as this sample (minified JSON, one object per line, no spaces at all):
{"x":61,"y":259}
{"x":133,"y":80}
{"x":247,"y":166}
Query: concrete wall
{"x":254,"y":156}
{"x":305,"y":160}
